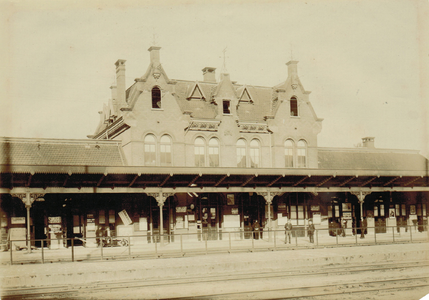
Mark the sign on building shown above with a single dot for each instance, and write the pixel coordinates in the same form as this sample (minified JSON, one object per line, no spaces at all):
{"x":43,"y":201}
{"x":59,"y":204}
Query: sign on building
{"x":17,"y":220}
{"x":54,"y":220}
{"x":125,"y":217}
{"x":181,"y":209}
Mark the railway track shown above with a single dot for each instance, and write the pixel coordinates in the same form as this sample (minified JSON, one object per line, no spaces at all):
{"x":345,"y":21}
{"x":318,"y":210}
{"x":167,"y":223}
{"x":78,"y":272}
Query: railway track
{"x":361,"y":290}
{"x":331,"y":282}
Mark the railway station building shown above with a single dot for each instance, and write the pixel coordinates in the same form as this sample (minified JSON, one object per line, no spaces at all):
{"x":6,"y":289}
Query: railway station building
{"x":174,"y":156}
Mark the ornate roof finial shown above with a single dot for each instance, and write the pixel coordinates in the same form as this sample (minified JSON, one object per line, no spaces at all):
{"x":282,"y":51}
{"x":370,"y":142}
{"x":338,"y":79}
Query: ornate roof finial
{"x":224,"y":61}
{"x":154,"y":43}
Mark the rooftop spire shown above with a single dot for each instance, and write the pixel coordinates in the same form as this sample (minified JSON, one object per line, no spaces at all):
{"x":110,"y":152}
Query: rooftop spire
{"x":224,"y":70}
{"x":154,"y":36}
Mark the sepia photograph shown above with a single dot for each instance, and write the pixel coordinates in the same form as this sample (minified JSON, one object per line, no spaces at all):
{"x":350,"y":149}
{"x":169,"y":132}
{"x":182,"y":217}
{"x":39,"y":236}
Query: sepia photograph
{"x":222,"y":149}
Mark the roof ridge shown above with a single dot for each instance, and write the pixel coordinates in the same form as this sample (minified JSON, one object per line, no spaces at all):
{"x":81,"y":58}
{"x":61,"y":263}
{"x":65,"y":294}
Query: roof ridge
{"x":56,"y":140}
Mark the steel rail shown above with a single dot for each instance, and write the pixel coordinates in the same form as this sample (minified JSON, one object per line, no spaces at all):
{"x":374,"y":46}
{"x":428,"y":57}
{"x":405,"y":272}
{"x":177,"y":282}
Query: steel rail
{"x":33,"y":293}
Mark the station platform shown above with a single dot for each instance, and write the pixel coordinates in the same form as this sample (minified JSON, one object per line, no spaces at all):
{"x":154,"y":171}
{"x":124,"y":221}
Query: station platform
{"x":147,"y":247}
{"x":87,"y":272}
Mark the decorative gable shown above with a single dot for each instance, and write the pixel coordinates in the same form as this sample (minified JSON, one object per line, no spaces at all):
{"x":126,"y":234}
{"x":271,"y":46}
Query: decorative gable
{"x":196,"y":93}
{"x":245,"y":96}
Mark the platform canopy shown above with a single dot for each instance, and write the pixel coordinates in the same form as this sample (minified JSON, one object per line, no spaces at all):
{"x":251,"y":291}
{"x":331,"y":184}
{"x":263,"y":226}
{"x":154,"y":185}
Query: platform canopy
{"x":87,"y":166}
{"x":127,"y":179}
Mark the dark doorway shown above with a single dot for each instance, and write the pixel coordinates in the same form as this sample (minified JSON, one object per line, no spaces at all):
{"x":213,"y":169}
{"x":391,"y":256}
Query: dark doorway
{"x":40,"y":225}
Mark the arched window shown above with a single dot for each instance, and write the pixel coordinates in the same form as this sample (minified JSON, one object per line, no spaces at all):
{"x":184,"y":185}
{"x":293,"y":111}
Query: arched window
{"x":165,"y":149}
{"x":199,"y":151}
{"x":301,"y":154}
{"x":156,"y":97}
{"x":255,"y":153}
{"x":150,"y":150}
{"x":289,"y":145}
{"x":214,"y":152}
{"x":293,"y":106}
{"x":241,"y":153}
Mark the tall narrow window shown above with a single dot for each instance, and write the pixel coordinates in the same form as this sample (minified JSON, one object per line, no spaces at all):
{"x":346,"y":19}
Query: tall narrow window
{"x":289,"y":154}
{"x":255,"y":153}
{"x":302,"y":154}
{"x":156,"y":97}
{"x":150,"y":150}
{"x":226,"y":109}
{"x":241,"y":153}
{"x":199,"y":151}
{"x":214,"y":152}
{"x":165,"y":149}
{"x":293,"y":107}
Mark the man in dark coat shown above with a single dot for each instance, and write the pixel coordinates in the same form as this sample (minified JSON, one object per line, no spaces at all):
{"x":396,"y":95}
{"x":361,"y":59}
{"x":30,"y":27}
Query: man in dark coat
{"x":288,"y":231}
{"x":310,"y":231}
{"x":256,"y":228}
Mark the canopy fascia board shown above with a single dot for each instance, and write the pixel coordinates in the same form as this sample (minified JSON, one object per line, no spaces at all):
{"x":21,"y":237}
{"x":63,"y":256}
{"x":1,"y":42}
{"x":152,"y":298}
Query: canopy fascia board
{"x":130,"y":190}
{"x":39,"y":169}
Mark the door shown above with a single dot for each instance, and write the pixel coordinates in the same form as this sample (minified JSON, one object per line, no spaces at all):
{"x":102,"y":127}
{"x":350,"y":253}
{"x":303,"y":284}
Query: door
{"x":39,"y":223}
{"x":379,"y":217}
{"x":209,"y":216}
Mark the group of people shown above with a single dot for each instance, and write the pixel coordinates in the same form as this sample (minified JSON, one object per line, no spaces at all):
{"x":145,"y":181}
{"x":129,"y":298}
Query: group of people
{"x":337,"y":228}
{"x":289,"y":227}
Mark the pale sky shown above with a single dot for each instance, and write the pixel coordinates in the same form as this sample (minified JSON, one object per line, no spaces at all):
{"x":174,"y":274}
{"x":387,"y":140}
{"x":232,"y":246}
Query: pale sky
{"x":365,"y":62}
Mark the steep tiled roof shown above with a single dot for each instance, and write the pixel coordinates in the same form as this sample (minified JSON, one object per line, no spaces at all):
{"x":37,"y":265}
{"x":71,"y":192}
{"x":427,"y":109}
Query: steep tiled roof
{"x":201,"y":109}
{"x":371,"y":159}
{"x":59,"y":152}
{"x":206,"y":109}
{"x":256,"y":111}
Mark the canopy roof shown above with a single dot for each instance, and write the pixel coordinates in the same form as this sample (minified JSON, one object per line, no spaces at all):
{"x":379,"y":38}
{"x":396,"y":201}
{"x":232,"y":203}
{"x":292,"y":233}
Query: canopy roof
{"x":87,"y":164}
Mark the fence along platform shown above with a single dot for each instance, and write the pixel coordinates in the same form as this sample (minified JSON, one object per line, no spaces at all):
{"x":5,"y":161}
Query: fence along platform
{"x":177,"y":245}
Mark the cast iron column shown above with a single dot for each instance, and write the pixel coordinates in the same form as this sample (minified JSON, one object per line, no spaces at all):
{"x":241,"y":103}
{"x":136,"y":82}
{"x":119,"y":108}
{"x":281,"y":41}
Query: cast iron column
{"x":361,"y":197}
{"x":28,"y":200}
{"x":268,"y":196}
{"x":160,"y":199}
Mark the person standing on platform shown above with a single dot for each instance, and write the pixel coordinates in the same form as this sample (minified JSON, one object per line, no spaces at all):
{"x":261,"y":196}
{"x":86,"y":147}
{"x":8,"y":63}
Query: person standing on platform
{"x":363,"y":228}
{"x":310,"y":231}
{"x":288,"y":231}
{"x":343,"y":227}
{"x":256,"y":228}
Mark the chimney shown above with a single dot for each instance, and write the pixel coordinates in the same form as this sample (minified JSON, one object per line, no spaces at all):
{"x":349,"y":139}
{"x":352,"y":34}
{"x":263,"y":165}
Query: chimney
{"x":209,"y":74}
{"x":120,"y":83}
{"x":292,"y":68}
{"x":154,"y":54}
{"x":368,"y":142}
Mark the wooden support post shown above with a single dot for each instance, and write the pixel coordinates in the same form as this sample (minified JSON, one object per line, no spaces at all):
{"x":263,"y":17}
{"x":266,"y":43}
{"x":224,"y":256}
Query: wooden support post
{"x":28,"y":198}
{"x":72,"y":248}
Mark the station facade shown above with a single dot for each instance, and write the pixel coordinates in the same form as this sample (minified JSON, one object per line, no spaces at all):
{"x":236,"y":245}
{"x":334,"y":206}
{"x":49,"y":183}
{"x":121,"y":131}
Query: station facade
{"x":177,"y":156}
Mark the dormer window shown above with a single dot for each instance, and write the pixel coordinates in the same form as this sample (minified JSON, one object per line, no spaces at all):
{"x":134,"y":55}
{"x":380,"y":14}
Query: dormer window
{"x":156,"y":97}
{"x":293,"y":107}
{"x":226,"y":107}
{"x":245,"y":96}
{"x":196,"y":93}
